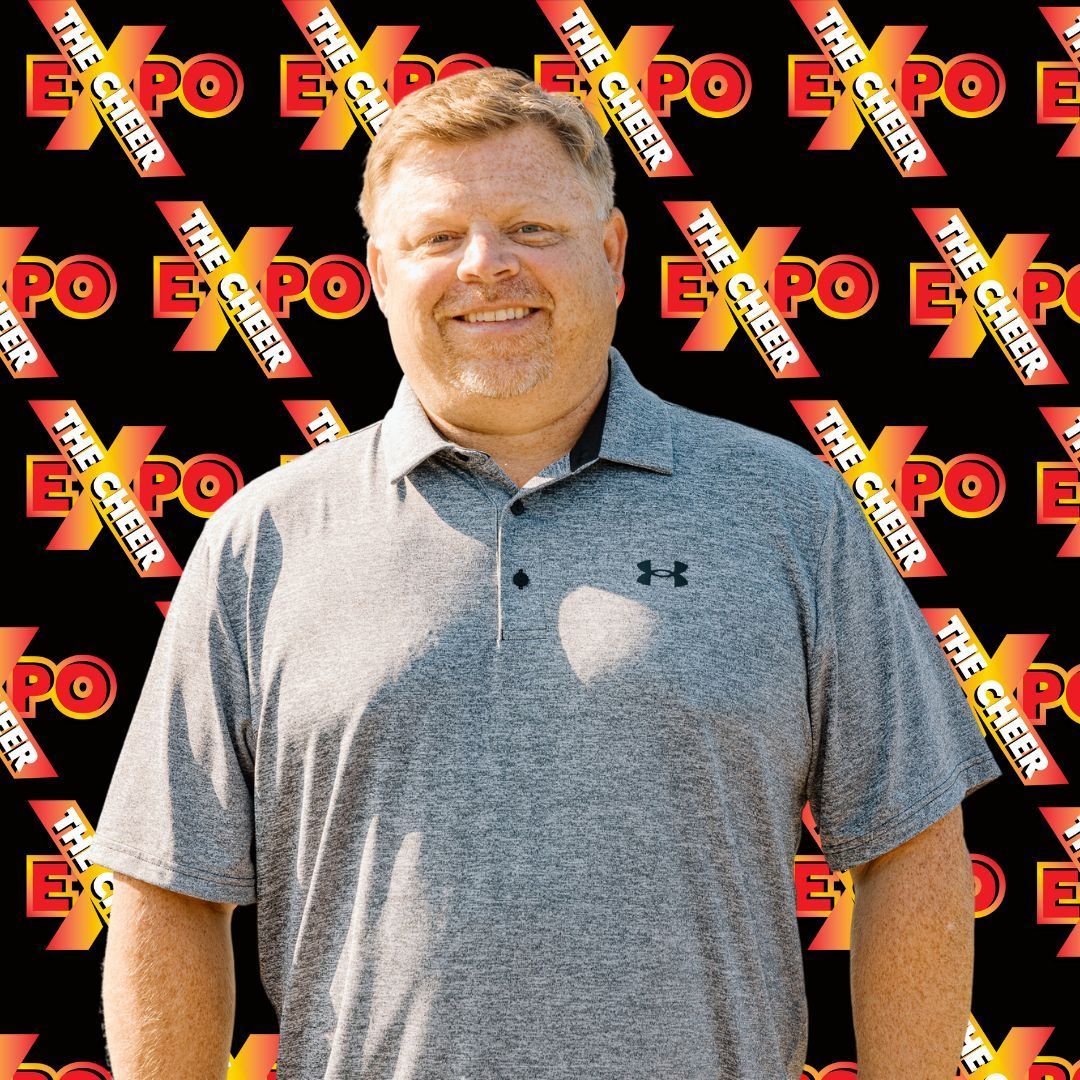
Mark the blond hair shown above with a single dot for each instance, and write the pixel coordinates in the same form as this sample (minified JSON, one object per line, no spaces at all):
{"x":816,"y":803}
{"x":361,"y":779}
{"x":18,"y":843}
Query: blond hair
{"x":476,"y":103}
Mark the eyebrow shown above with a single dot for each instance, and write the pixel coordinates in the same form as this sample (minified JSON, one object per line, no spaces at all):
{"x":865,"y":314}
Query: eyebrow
{"x":516,"y":210}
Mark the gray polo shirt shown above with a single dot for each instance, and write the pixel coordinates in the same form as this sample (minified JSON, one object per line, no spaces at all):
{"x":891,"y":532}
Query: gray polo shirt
{"x":516,"y":775}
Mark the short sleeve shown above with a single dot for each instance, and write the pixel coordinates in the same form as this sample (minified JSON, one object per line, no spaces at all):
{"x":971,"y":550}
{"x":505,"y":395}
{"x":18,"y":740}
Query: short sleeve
{"x":896,"y":744}
{"x":178,"y":812}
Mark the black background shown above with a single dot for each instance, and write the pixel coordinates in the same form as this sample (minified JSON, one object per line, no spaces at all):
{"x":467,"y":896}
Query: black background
{"x":1003,"y":573}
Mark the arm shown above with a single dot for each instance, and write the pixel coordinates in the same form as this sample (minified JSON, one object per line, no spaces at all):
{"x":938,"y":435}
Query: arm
{"x":912,"y":955}
{"x":168,"y":985}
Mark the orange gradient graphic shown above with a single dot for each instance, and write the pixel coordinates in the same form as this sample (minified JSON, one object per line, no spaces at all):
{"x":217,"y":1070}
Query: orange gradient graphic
{"x":359,"y":74}
{"x":989,"y":683}
{"x":85,"y":910}
{"x":1065,"y":822}
{"x":23,"y":356}
{"x":231,"y":278}
{"x":1057,"y":901}
{"x":867,"y":76}
{"x":818,"y":896}
{"x":105,"y":76}
{"x":318,"y":421}
{"x":821,"y":893}
{"x":106,"y":500}
{"x":870,"y":472}
{"x":613,"y":76}
{"x":21,"y":752}
{"x":13,"y":1063}
{"x":739,"y":277}
{"x":989,"y":285}
{"x":1014,"y":1058}
{"x":1065,"y":22}
{"x":257,"y":1057}
{"x":1065,"y":422}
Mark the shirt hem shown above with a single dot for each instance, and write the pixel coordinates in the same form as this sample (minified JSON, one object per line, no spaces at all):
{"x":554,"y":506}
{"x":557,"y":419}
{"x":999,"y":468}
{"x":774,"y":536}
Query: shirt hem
{"x":115,"y":856}
{"x":964,"y":779}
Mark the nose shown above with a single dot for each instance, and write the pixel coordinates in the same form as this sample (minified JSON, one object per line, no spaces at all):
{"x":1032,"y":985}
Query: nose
{"x":487,"y":256}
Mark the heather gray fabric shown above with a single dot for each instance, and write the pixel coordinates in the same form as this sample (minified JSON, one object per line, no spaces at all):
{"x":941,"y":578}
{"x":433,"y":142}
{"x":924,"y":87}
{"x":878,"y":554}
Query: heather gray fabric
{"x":518,"y":793}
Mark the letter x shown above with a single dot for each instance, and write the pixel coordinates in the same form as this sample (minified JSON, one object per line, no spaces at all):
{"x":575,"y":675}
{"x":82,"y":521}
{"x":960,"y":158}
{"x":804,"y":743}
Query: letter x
{"x":1014,"y":255}
{"x":81,"y":524}
{"x":124,"y":57}
{"x":338,"y":121}
{"x":634,"y":54}
{"x":886,"y":457}
{"x":257,"y":249}
{"x":717,"y":324}
{"x":894,"y":45}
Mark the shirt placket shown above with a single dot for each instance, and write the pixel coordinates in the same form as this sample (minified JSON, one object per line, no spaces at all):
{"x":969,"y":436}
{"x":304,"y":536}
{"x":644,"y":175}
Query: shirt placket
{"x":523,"y":608}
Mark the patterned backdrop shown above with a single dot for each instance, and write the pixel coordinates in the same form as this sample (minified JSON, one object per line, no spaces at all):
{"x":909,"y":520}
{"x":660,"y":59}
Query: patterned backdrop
{"x":917,"y":251}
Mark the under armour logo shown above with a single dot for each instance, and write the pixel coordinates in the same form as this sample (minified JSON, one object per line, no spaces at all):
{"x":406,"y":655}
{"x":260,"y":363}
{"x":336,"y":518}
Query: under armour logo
{"x":650,"y":573}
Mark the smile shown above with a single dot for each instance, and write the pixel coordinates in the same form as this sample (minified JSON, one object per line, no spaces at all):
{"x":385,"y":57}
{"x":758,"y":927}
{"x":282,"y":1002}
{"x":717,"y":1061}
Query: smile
{"x":515,"y":316}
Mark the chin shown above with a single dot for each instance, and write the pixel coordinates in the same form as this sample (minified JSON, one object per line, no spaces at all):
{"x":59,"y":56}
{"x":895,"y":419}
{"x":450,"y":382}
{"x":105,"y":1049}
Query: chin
{"x":499,"y":376}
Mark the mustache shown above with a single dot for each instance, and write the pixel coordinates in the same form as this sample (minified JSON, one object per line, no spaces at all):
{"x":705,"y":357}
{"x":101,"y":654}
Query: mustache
{"x":467,"y":303}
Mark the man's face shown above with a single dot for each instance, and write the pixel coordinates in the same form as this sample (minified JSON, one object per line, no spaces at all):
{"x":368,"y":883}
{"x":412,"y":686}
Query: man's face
{"x":505,"y":222}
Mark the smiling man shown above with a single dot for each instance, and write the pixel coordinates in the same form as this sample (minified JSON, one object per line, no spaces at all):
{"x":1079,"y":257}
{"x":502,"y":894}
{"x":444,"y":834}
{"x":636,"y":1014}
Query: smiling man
{"x":497,"y":265}
{"x":505,"y":709}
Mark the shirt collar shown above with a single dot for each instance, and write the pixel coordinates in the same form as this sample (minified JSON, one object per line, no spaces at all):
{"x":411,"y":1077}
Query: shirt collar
{"x":630,"y":423}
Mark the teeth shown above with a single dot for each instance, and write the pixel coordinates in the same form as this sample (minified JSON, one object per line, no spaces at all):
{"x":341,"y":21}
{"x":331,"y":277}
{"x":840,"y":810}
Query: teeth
{"x":497,"y":316}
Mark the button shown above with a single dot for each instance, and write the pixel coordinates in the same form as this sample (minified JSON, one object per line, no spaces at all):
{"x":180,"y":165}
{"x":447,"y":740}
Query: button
{"x":520,"y":579}
{"x":516,"y":507}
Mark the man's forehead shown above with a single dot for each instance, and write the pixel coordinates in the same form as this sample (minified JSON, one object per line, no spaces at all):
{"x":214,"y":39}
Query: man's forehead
{"x":514,"y":205}
{"x":500,"y":198}
{"x":534,"y":163}
{"x":523,"y":140}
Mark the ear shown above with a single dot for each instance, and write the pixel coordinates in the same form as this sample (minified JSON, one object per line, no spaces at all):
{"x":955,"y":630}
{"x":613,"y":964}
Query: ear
{"x":377,"y":270}
{"x":615,"y":235}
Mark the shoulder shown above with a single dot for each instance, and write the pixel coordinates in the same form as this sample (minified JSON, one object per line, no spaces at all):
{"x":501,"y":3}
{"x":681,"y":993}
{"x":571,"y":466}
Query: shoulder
{"x":755,"y":468}
{"x":295,"y":492}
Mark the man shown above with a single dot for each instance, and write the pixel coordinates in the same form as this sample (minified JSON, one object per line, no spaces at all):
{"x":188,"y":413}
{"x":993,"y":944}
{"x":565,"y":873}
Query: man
{"x":505,"y":708}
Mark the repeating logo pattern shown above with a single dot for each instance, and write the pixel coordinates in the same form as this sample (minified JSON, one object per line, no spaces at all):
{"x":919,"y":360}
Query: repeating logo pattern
{"x":873,"y":199}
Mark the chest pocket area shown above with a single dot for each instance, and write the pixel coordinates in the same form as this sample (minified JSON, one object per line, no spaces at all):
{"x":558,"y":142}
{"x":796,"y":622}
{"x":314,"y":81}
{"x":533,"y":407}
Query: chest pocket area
{"x":605,"y":635}
{"x":724,"y":649}
{"x":627,"y":624}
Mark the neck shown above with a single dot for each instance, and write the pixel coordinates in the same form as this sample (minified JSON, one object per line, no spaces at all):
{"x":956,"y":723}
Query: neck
{"x":521,"y":455}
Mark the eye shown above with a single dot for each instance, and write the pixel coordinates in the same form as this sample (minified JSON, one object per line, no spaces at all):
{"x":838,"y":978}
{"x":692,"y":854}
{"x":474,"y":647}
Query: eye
{"x":437,"y":238}
{"x":530,"y":226}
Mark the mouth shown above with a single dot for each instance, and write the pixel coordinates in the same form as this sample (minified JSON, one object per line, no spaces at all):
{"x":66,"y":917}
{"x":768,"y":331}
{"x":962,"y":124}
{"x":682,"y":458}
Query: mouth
{"x":504,"y":320}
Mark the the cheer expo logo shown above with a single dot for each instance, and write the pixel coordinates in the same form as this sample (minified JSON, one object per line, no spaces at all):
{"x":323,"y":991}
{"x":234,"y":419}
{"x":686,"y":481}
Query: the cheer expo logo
{"x":851,"y":87}
{"x":883,"y":87}
{"x":121,"y":487}
{"x":1002,"y":298}
{"x":104,"y":75}
{"x":231,"y":281}
{"x":251,"y":295}
{"x":627,"y":87}
{"x":755,"y":289}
